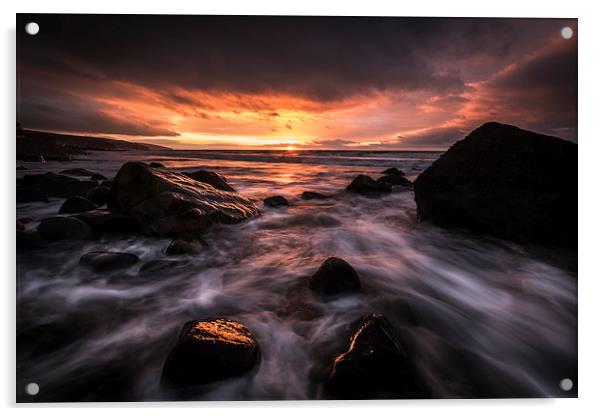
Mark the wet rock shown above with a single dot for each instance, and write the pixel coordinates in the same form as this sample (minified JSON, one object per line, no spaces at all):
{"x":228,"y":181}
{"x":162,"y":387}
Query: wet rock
{"x":77,"y":172}
{"x":395,"y":180}
{"x":214,"y":179}
{"x":76,"y":204}
{"x":106,"y":184}
{"x":393,"y":171}
{"x":375,"y":365}
{"x":102,"y":261}
{"x":52,"y":185}
{"x":20,"y":226}
{"x":63,"y":228}
{"x":21,"y":168}
{"x":156,"y":165}
{"x":308,"y":195}
{"x":99,"y":195}
{"x":168,"y":203}
{"x":180,"y":247}
{"x":504,"y":181}
{"x":365,"y":185}
{"x":98,"y":177}
{"x":208,"y":351}
{"x":107,"y":221}
{"x":275,"y":201}
{"x":334,"y":276}
{"x":27,"y":239}
{"x":155,"y":266}
{"x":30,"y":195}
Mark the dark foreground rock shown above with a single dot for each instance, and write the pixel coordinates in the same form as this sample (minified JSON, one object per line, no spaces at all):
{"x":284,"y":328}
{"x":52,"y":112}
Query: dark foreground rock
{"x":208,"y":351}
{"x":334,"y":276}
{"x":393,"y":171}
{"x":104,"y":221}
{"x":275,"y":201}
{"x":375,"y":365}
{"x":309,"y":195}
{"x":99,"y":195}
{"x":399,"y":180}
{"x":365,"y":185}
{"x":40,"y":187}
{"x":103,"y":261}
{"x":182,"y":246}
{"x":63,"y":228}
{"x":98,"y":177}
{"x":214,"y":179}
{"x":78,"y":172}
{"x":168,"y":203}
{"x":156,"y":165}
{"x":504,"y":181}
{"x":76,"y":204}
{"x":161,"y":266}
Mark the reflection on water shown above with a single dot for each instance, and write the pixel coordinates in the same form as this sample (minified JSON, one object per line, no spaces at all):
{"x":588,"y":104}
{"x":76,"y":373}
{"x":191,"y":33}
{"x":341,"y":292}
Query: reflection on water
{"x":481,"y":317}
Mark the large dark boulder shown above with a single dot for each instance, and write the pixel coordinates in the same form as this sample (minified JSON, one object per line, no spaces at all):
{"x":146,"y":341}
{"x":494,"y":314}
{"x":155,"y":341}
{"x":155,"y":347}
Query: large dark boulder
{"x":76,"y":204}
{"x":208,"y":351}
{"x":168,"y":203}
{"x":504,"y":181}
{"x":104,"y":261}
{"x":375,"y":365}
{"x":365,"y":185}
{"x":214,"y":179}
{"x":49,"y":184}
{"x":63,"y":228}
{"x":334,"y":276}
{"x":99,"y":195}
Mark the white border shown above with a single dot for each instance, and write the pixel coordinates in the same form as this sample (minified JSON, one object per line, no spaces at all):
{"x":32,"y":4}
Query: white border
{"x":590,"y":173}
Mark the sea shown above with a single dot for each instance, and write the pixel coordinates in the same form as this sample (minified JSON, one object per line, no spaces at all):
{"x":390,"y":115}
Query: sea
{"x":480,"y":317}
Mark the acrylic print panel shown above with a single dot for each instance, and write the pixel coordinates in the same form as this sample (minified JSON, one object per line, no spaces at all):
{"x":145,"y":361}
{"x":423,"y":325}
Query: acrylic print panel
{"x":276,"y":208}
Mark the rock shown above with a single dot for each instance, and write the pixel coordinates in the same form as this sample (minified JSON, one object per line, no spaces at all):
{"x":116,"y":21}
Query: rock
{"x":98,"y":177}
{"x":155,"y":266}
{"x":275,"y":201}
{"x":21,"y":168}
{"x":168,"y":203}
{"x":102,"y":261}
{"x":77,"y":172}
{"x":183,"y":247}
{"x":76,"y":204}
{"x":504,"y":181}
{"x":365,"y":185}
{"x":214,"y":179}
{"x":375,"y":365}
{"x":208,"y":351}
{"x":156,"y":165}
{"x":307,"y":195}
{"x":63,"y":228}
{"x":52,"y":185}
{"x":107,"y":221}
{"x":393,"y":171}
{"x":395,"y":180}
{"x":334,"y":276}
{"x":27,"y":239}
{"x":30,"y":195}
{"x":99,"y":195}
{"x":106,"y":184}
{"x":20,"y":226}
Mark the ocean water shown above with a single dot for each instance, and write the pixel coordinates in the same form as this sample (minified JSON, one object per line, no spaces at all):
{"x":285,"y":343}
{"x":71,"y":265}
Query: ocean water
{"x":480,"y":317}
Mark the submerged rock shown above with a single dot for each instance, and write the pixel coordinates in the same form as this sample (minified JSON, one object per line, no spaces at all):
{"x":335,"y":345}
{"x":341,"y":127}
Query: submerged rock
{"x":168,"y":203}
{"x":76,"y":204}
{"x":155,"y":266}
{"x":395,"y":180}
{"x":21,"y":167}
{"x":99,"y":195}
{"x":185,"y":247}
{"x":334,"y":276}
{"x":375,"y":365}
{"x":78,"y":172}
{"x":504,"y":181}
{"x":208,"y":351}
{"x":107,"y":184}
{"x":107,"y":221}
{"x":156,"y":165}
{"x":365,"y":185}
{"x":276,"y":201}
{"x":103,"y":261}
{"x":393,"y":171}
{"x":98,"y":177}
{"x":308,"y":195}
{"x":63,"y":228}
{"x":214,"y":179}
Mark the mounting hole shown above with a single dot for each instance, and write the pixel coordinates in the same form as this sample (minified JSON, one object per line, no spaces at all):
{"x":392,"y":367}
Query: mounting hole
{"x":32,"y":389}
{"x":567,"y":33}
{"x":32,"y":28}
{"x":566,"y":384}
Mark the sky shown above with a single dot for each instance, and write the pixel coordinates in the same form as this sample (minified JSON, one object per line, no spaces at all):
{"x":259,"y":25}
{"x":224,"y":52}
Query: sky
{"x":349,"y":83}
